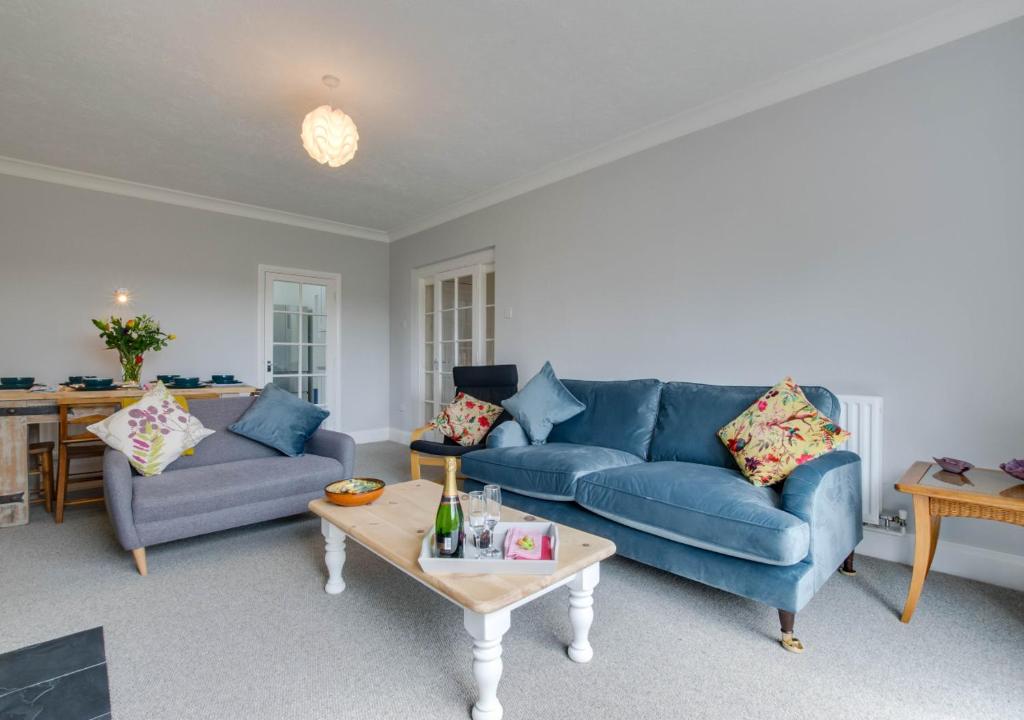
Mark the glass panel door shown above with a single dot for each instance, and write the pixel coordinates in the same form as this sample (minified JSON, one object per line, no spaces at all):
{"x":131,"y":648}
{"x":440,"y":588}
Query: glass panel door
{"x":429,"y":357}
{"x":300,"y":339}
{"x":453,"y":323}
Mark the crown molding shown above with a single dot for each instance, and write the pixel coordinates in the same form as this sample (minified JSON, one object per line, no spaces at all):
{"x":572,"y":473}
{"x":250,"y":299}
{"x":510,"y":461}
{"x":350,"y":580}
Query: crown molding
{"x":965,"y":18}
{"x":115,"y":186}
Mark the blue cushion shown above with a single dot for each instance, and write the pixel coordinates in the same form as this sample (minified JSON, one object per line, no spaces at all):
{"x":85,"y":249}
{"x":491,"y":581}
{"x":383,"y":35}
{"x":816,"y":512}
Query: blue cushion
{"x":691,"y":415}
{"x":280,"y":420}
{"x":547,"y":471}
{"x":542,"y":404}
{"x":508,"y":434}
{"x":620,"y":414}
{"x":708,"y":507}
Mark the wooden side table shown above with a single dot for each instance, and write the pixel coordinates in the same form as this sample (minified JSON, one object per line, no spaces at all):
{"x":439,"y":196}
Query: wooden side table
{"x":978,"y":493}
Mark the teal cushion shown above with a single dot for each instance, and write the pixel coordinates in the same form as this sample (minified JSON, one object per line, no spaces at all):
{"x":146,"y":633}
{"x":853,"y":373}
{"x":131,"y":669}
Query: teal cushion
{"x":620,"y":414}
{"x":542,"y":404}
{"x":280,"y":420}
{"x":700,"y":505}
{"x":691,"y":414}
{"x":508,"y":434}
{"x":548,"y":471}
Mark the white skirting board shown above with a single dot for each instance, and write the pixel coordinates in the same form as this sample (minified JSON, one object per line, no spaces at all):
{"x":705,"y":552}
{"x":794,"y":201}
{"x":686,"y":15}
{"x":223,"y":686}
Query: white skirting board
{"x":988,"y":566}
{"x":369,"y":436}
{"x":403,"y":437}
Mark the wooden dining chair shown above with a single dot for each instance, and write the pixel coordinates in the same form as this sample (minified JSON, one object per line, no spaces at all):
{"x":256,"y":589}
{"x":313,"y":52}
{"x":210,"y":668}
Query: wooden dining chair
{"x":41,"y":455}
{"x":75,"y":443}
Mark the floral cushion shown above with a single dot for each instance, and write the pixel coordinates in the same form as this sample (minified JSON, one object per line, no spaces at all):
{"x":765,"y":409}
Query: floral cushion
{"x":467,"y":420}
{"x":779,"y":432}
{"x":152,"y":433}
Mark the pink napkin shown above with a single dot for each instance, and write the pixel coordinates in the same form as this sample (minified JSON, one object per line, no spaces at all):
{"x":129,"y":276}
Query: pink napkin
{"x":541,"y":549}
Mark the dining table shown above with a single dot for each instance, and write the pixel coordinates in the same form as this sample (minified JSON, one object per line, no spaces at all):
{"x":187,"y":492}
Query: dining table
{"x":20,"y":409}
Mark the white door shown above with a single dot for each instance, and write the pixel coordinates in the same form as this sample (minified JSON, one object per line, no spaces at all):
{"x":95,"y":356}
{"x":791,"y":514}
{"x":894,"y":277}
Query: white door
{"x":457,"y":311}
{"x":300,"y":336}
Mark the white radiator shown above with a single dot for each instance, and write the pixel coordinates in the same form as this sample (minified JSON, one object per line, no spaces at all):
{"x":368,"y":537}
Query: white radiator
{"x":862,"y":416}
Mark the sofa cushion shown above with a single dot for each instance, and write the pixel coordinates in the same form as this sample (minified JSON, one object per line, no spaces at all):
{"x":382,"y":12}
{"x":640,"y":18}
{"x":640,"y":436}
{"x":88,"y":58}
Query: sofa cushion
{"x":152,"y":432}
{"x":547,"y":471}
{"x":280,"y":420}
{"x":222,"y":447}
{"x":508,"y":434}
{"x":541,"y":404}
{"x":778,"y":433}
{"x":700,"y":505}
{"x":197,"y":490}
{"x":690,"y":416}
{"x":620,"y":414}
{"x":467,"y":419}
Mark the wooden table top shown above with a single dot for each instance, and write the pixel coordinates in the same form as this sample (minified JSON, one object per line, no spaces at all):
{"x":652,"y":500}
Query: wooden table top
{"x":981,"y":486}
{"x":393,"y":526}
{"x":68,"y":396}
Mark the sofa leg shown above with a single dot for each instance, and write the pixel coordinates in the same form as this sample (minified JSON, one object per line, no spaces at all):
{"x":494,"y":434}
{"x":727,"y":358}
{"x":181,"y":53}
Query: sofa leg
{"x":414,"y":466}
{"x":847,"y":567}
{"x":786,"y":621}
{"x":140,"y":560}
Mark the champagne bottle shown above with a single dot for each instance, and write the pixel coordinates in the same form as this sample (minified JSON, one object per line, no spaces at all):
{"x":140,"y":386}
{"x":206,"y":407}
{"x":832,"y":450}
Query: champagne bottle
{"x":448,"y":531}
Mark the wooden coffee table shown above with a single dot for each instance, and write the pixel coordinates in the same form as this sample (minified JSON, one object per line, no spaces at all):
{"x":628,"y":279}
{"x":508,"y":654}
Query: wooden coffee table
{"x":392,"y":528}
{"x":978,"y":493}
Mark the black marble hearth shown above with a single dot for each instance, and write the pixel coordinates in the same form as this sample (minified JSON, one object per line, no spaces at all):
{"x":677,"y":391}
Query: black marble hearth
{"x":62,"y":679}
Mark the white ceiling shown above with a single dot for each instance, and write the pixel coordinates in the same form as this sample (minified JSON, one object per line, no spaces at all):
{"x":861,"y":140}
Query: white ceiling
{"x":452,"y":97}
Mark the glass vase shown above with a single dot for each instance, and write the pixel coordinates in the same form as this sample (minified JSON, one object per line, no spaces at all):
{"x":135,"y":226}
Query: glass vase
{"x":131,"y":370}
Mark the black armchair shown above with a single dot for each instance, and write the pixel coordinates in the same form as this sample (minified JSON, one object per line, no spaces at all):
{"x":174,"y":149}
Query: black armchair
{"x":490,"y":383}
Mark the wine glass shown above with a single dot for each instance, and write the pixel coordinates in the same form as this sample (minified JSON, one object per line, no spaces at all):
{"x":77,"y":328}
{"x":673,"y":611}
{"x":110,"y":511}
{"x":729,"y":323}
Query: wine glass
{"x":492,"y":498}
{"x":478,"y":522}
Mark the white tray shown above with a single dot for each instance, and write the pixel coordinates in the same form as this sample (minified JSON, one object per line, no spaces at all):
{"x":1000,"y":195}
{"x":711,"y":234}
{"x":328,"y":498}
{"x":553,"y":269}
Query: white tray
{"x":473,"y":565}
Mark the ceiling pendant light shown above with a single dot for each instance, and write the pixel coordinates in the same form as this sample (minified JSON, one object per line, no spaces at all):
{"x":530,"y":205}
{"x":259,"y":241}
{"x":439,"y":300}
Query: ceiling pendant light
{"x":329,"y":135}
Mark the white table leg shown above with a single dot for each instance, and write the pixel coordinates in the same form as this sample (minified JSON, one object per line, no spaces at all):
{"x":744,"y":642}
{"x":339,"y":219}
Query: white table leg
{"x":581,"y":612}
{"x":487,"y":631}
{"x":334,"y":556}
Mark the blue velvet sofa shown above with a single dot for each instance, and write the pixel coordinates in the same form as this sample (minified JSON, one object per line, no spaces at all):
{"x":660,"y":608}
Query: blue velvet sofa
{"x":644,"y":467}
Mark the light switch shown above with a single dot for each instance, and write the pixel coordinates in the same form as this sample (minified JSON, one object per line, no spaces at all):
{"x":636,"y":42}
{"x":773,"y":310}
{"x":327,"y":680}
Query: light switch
{"x":508,"y":313}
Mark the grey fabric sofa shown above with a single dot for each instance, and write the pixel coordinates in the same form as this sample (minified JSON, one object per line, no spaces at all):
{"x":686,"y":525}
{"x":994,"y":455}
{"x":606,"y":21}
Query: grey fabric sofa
{"x":230,"y":481}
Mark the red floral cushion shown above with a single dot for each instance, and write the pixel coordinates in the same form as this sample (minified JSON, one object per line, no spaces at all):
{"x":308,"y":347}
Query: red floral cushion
{"x":467,"y":420}
{"x":778,"y":433}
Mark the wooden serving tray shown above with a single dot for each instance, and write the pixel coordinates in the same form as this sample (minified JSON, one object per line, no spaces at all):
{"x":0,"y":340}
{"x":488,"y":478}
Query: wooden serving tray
{"x":470,"y":564}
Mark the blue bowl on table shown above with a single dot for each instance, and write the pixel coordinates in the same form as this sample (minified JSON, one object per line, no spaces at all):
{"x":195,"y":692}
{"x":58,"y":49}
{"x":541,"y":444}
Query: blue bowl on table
{"x":16,"y":383}
{"x":223,"y":379}
{"x":78,"y":379}
{"x":184,"y":383}
{"x":94,"y":383}
{"x":167,"y":379}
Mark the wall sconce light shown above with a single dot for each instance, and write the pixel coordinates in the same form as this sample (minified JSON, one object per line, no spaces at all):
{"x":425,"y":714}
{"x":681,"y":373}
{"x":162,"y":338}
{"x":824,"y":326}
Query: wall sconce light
{"x":122,"y":296}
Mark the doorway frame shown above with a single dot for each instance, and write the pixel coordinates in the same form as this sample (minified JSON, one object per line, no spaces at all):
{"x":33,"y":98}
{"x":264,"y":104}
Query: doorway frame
{"x":334,"y":368}
{"x":479,"y":258}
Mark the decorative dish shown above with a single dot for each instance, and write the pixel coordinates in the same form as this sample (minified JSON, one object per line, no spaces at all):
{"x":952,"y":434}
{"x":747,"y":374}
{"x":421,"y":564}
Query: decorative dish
{"x":1014,"y":468}
{"x":354,"y":491}
{"x":953,"y":465}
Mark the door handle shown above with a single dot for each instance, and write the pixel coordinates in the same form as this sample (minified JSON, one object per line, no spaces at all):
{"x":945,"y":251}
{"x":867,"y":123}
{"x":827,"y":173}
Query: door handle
{"x":270,"y":367}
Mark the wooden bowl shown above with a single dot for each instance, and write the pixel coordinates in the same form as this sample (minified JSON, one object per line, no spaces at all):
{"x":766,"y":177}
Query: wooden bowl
{"x":354,"y":491}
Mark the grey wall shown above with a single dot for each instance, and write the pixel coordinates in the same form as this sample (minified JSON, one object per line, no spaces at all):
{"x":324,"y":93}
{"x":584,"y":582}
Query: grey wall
{"x":866,"y":237}
{"x":63,"y":250}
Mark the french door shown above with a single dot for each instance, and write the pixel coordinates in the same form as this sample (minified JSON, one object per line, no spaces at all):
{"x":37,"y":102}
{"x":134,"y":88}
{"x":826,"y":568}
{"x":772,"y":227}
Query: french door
{"x":457,"y":311}
{"x":300,"y":335}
